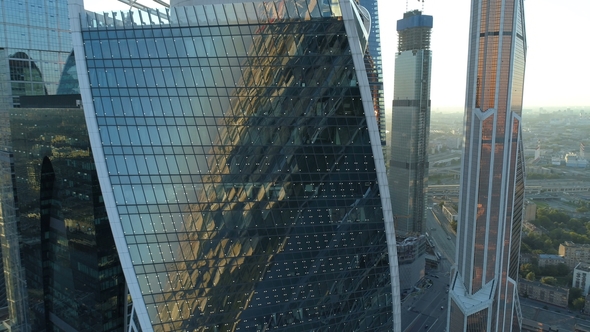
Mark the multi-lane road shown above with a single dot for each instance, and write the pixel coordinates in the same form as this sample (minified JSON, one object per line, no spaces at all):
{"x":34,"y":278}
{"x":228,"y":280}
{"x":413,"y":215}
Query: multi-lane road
{"x":426,"y":310}
{"x":422,"y":312}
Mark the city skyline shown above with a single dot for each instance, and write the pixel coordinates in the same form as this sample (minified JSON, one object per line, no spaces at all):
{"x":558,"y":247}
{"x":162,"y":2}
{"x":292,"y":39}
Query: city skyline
{"x":547,"y":22}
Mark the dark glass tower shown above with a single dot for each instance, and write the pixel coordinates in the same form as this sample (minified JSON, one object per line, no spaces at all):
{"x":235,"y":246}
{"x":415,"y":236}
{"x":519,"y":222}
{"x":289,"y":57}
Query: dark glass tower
{"x":374,"y":65}
{"x":74,"y":278}
{"x":408,"y":167}
{"x":34,"y":44}
{"x":483,"y":292}
{"x":241,"y":165}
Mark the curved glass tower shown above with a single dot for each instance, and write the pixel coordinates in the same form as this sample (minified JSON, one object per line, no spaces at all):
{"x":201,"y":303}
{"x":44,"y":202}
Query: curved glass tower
{"x":241,"y":164}
{"x":484,"y":294}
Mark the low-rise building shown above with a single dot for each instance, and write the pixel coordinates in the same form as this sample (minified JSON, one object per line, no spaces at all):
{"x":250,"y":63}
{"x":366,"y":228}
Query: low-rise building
{"x":574,"y":253}
{"x":535,"y":290}
{"x":550,"y":260}
{"x":581,"y":278}
{"x":526,"y":258}
{"x":530,"y":211}
{"x":450,"y":213}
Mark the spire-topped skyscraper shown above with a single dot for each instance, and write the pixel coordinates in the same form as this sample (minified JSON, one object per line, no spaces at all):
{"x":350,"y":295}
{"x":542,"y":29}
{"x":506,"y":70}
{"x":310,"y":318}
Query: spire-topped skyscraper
{"x":483,"y":294}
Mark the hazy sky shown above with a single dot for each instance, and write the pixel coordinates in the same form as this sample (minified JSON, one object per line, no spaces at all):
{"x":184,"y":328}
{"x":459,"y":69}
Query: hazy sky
{"x":558,"y":58}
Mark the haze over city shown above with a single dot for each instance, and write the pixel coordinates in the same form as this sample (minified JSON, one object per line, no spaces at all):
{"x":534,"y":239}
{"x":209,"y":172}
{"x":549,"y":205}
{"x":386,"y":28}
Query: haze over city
{"x":554,"y":78}
{"x":257,"y":165}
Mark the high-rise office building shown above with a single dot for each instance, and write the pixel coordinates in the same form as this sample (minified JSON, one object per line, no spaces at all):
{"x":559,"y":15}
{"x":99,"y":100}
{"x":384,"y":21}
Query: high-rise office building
{"x":35,"y":43}
{"x":484,"y":294}
{"x":73,"y":276}
{"x":34,"y":46}
{"x":410,"y":122}
{"x":60,"y":262}
{"x":374,"y":65}
{"x":241,"y":165}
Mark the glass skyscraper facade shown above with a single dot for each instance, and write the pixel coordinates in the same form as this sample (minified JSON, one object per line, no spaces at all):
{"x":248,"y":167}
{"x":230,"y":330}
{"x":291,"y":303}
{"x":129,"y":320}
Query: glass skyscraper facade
{"x":34,"y":46}
{"x":241,"y":165}
{"x":374,"y":65}
{"x":74,"y":278}
{"x":483,"y":295}
{"x":35,"y":43}
{"x":410,"y":123}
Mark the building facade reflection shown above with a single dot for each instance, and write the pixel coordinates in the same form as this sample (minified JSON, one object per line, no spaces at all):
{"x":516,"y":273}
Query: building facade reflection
{"x":244,"y":157}
{"x":74,"y":278}
{"x":484,"y":289}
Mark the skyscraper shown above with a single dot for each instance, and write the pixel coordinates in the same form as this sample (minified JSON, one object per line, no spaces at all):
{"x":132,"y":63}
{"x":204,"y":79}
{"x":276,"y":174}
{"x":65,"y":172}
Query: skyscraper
{"x":408,"y":167}
{"x":74,"y":278}
{"x":241,"y":165}
{"x":483,"y":293}
{"x":34,"y":45}
{"x":374,"y":65}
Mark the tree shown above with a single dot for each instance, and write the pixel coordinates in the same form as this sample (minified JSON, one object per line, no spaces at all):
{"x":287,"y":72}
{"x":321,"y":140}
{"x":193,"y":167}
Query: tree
{"x":530,"y":276}
{"x":574,"y":293}
{"x":454,"y":225}
{"x":578,"y":303}
{"x":527,"y":268}
{"x":549,"y":281}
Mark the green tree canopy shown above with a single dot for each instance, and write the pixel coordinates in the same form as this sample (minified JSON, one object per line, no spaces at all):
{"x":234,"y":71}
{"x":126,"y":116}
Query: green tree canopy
{"x":549,"y":281}
{"x":574,"y":293}
{"x":578,"y":303}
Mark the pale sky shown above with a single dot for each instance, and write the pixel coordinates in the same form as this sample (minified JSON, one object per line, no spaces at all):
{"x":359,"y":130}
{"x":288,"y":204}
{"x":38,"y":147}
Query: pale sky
{"x":557,"y":64}
{"x":558,"y":58}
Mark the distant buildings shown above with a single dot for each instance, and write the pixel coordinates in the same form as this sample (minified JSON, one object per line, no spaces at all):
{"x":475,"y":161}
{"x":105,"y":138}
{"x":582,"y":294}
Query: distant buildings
{"x":581,"y":278}
{"x":483,"y":295}
{"x":574,"y":253}
{"x":408,"y":168}
{"x":574,"y":160}
{"x":535,"y":290}
{"x":550,"y":260}
{"x":530,"y":211}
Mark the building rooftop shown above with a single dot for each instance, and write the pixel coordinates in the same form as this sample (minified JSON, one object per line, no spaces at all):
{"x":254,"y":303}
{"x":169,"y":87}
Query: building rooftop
{"x":542,"y":285}
{"x":548,"y":256}
{"x":583,"y":267}
{"x":571,"y":244}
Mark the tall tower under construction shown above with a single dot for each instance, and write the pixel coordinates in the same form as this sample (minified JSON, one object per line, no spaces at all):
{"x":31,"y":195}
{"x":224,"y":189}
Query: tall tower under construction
{"x":483,"y":287}
{"x":408,"y":171}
